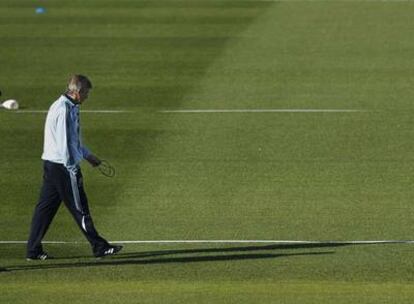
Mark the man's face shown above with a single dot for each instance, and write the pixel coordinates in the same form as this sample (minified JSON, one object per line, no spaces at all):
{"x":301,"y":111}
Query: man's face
{"x":83,"y":95}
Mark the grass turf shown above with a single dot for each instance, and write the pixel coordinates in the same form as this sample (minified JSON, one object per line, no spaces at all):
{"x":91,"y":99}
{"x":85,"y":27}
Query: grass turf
{"x":298,"y":176}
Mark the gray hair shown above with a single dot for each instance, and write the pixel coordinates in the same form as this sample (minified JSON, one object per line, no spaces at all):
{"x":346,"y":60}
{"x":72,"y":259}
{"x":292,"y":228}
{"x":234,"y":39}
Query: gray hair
{"x":78,"y":82}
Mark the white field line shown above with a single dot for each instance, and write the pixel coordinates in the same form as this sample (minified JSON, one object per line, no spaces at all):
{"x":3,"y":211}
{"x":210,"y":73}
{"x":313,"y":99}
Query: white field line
{"x":228,"y":242}
{"x":82,"y":111}
{"x":207,"y":111}
{"x":346,"y":1}
{"x":263,"y":111}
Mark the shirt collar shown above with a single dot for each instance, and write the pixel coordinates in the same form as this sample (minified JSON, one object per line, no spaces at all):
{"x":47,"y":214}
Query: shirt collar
{"x":73,"y":101}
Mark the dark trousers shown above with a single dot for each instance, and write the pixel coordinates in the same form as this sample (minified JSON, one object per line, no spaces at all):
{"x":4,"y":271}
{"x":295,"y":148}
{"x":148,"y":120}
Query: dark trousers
{"x":61,"y":185}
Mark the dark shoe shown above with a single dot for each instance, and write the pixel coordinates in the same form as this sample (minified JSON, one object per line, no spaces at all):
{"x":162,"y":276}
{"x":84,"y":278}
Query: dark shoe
{"x":40,"y":257}
{"x":111,"y":250}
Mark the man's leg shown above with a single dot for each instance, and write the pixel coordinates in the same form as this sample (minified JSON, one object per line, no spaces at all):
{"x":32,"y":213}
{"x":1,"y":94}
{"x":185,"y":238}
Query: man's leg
{"x":44,"y":213}
{"x":76,"y":201}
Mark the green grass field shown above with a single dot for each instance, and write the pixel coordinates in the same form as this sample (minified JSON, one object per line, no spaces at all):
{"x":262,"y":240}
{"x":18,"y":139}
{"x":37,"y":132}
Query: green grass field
{"x":300,"y":176}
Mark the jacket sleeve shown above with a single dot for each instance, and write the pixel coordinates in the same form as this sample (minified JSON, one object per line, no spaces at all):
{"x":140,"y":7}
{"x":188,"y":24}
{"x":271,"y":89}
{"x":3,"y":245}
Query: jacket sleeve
{"x":85,"y":152}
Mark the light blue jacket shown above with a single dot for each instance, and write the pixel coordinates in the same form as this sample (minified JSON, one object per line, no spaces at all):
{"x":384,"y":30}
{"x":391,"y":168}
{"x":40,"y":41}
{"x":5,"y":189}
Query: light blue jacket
{"x":62,"y":138}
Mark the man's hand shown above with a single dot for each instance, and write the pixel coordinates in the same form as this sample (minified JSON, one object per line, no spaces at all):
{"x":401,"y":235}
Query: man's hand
{"x":93,"y":160}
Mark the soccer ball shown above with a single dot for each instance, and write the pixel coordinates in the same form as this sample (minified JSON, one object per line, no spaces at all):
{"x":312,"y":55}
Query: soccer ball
{"x":10,"y":104}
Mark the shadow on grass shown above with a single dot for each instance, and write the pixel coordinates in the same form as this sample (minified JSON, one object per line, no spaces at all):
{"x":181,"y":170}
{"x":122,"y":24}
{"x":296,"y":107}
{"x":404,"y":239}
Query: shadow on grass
{"x":230,"y":249}
{"x":155,"y":257}
{"x":148,"y":254}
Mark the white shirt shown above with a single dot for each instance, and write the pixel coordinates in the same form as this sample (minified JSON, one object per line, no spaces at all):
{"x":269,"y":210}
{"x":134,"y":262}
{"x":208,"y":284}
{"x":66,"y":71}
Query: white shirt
{"x":62,"y":139}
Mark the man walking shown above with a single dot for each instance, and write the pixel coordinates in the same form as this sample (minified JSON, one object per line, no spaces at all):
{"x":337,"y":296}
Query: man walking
{"x":62,"y":177}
